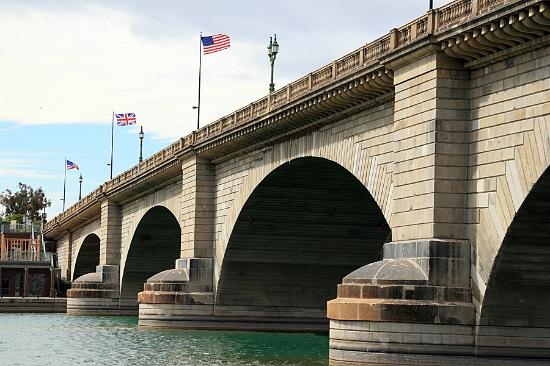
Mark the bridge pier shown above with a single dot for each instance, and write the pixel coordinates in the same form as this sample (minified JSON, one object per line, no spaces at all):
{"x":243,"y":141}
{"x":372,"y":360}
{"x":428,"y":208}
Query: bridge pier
{"x":95,"y":293}
{"x":180,"y":297}
{"x":413,"y":307}
{"x":98,"y":293}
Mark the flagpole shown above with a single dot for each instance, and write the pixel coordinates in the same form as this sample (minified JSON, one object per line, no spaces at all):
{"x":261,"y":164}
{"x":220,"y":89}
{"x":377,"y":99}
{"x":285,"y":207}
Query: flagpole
{"x":64,"y":182}
{"x":112,"y":140}
{"x":200,"y":67}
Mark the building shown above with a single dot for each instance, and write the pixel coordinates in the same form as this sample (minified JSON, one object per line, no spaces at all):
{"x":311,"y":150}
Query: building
{"x":26,"y":268}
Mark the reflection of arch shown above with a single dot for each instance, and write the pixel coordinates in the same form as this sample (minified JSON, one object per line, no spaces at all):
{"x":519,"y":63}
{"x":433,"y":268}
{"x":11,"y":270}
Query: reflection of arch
{"x":309,"y":223}
{"x":155,"y":247}
{"x":88,"y":256}
{"x":518,"y":291}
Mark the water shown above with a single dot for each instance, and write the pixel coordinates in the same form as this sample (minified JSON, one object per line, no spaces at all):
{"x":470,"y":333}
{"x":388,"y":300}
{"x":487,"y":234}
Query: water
{"x":56,"y":339}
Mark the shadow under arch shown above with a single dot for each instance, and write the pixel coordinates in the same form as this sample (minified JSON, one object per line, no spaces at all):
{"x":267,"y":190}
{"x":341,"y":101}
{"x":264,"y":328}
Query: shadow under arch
{"x":88,"y":256}
{"x":154,"y":248}
{"x":309,"y":223}
{"x":518,"y":290}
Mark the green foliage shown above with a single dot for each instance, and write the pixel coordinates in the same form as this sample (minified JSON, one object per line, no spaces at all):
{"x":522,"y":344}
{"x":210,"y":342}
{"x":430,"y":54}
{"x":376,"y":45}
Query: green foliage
{"x":25,"y":201}
{"x":16,"y":217}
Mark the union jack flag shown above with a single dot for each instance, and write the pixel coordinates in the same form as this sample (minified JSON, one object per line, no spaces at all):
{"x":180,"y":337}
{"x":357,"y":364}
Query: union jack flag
{"x":125,"y":119}
{"x":71,"y":165}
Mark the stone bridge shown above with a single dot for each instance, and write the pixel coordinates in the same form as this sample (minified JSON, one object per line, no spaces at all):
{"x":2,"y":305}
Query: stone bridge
{"x":405,"y":183}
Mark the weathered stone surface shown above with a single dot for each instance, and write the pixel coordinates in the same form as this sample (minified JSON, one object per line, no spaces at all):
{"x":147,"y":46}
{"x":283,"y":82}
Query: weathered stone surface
{"x":388,"y":271}
{"x":170,"y":276}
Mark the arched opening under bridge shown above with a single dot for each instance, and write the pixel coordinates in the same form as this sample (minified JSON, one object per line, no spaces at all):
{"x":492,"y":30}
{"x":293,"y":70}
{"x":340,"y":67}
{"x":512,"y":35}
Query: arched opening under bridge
{"x":306,"y":225}
{"x":88,"y":256}
{"x":154,"y":248}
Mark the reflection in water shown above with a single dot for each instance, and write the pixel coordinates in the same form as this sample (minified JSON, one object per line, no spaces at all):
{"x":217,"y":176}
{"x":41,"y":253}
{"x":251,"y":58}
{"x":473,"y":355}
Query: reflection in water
{"x":56,"y":339}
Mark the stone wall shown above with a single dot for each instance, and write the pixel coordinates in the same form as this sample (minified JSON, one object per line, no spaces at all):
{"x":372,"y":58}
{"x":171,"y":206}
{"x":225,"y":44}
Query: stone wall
{"x":197,"y":207}
{"x":509,"y":148}
{"x":430,"y":147}
{"x":63,"y":250}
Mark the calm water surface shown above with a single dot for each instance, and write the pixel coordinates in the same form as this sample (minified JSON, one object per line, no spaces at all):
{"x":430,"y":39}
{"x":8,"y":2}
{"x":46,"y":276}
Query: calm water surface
{"x":56,"y":339}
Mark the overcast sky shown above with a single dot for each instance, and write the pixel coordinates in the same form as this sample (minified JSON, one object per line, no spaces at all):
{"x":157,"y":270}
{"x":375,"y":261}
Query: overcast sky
{"x":66,"y":64}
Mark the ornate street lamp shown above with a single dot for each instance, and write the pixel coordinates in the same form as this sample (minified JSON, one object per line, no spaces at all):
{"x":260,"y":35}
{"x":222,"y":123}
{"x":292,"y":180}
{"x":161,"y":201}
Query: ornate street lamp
{"x":80,"y":189}
{"x":272,"y":51}
{"x":45,"y":203}
{"x":141,"y":135}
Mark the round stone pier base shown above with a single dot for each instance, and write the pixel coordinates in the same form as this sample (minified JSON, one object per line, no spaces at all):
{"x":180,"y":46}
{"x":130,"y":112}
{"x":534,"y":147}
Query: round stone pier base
{"x":389,"y":343}
{"x":95,"y":293}
{"x":411,"y":308}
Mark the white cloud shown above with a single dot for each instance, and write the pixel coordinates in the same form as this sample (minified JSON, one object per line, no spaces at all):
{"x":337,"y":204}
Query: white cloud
{"x":58,"y":68}
{"x":25,"y":168}
{"x":27,"y":173}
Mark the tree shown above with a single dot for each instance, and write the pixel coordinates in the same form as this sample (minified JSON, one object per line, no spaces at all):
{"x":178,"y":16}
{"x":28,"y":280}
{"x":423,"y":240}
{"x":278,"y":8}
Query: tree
{"x":26,"y":201}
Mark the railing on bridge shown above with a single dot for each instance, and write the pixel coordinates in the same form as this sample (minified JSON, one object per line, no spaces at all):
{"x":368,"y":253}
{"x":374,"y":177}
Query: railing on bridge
{"x":434,"y":21}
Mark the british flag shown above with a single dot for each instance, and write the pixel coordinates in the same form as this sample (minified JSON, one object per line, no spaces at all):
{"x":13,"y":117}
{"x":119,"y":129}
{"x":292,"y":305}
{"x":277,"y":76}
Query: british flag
{"x":125,"y":119}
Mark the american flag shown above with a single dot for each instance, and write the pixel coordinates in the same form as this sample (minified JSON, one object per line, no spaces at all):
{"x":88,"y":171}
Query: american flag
{"x":125,"y":119}
{"x":215,"y":43}
{"x":71,"y":165}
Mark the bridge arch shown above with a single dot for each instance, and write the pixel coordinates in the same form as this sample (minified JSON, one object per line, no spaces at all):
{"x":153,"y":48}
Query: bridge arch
{"x":87,"y":256}
{"x":154,"y":247}
{"x":371,"y":164}
{"x":305,"y":226}
{"x":518,"y":290}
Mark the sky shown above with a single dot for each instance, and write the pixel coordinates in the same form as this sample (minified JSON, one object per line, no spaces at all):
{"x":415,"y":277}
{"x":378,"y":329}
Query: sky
{"x":65,"y":65}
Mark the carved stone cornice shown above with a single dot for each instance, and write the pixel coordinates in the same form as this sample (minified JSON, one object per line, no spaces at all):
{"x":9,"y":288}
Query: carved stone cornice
{"x":516,"y":24}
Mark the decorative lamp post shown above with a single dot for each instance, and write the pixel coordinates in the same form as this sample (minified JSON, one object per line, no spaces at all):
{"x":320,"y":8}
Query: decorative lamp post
{"x":45,"y":203}
{"x":272,"y":51}
{"x":80,"y":189}
{"x":141,"y":135}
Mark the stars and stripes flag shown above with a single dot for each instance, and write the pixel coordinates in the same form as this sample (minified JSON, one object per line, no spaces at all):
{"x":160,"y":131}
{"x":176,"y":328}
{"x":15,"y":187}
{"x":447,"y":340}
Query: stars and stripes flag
{"x":70,"y":165}
{"x":125,"y":119}
{"x":215,"y":43}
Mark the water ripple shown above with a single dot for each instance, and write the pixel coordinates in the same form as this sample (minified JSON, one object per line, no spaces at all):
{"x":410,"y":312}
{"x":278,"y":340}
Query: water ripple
{"x":56,"y":339}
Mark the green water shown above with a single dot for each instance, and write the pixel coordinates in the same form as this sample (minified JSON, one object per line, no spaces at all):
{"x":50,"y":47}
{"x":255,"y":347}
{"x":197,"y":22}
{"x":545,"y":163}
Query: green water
{"x":56,"y":339}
